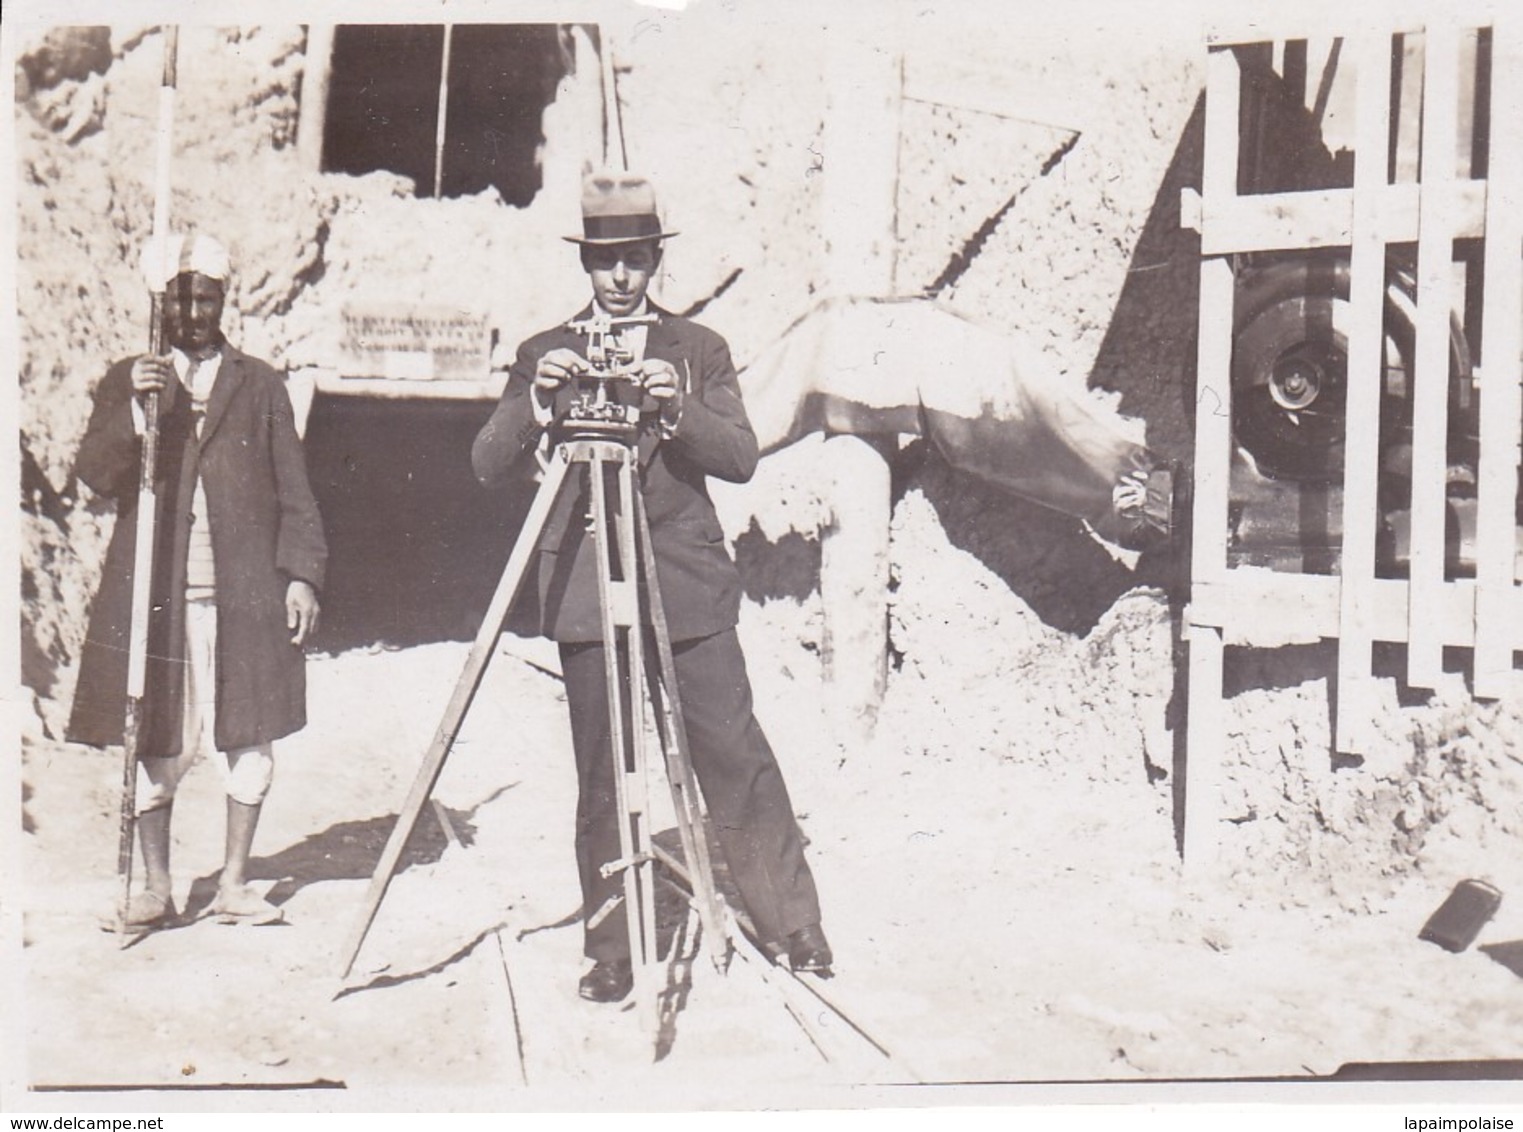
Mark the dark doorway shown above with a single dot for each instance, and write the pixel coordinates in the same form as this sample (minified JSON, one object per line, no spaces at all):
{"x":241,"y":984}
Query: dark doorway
{"x":415,"y":545}
{"x":383,"y":104}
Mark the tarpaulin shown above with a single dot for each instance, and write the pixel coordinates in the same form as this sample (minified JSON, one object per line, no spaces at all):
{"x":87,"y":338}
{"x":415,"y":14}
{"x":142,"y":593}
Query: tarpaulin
{"x":864,"y":366}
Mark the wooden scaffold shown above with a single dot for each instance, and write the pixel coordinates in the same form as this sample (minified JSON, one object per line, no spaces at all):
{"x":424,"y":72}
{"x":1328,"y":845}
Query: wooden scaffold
{"x":1437,"y":166}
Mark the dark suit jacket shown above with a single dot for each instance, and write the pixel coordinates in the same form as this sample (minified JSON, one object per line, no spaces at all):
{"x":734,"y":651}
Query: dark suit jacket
{"x":700,"y":587}
{"x":265,"y":531}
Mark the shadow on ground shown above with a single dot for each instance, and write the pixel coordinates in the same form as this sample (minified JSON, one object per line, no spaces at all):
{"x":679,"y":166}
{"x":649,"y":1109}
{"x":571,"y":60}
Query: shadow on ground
{"x":347,"y":850}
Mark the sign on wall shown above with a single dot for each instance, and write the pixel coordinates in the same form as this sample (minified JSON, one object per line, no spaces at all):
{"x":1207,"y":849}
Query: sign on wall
{"x":414,"y":342}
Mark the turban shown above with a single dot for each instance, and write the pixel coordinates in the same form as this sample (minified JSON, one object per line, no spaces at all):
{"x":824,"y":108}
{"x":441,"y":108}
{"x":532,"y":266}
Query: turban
{"x":185,"y":253}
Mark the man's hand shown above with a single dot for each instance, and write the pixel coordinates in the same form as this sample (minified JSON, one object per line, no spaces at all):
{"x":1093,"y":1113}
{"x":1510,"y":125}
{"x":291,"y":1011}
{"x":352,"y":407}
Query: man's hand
{"x":659,"y":379}
{"x":301,"y":610}
{"x":555,"y":369}
{"x":155,"y":375}
{"x":1130,"y":492}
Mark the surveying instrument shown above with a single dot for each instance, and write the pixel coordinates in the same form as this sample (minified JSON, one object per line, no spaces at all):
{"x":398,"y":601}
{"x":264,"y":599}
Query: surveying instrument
{"x":598,"y":432}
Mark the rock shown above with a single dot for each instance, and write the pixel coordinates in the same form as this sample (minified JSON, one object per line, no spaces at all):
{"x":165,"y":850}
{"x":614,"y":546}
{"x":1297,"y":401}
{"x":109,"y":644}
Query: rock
{"x":67,"y":54}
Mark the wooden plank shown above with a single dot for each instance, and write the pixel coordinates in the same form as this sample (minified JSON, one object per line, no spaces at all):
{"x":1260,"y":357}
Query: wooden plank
{"x":1435,"y":303}
{"x":1260,"y":608}
{"x":1213,"y":421}
{"x":1324,"y":218}
{"x":1213,"y":371}
{"x":1204,"y":732}
{"x":1372,"y":54}
{"x":1498,"y":624}
{"x":1256,"y":22}
{"x":1213,"y":458}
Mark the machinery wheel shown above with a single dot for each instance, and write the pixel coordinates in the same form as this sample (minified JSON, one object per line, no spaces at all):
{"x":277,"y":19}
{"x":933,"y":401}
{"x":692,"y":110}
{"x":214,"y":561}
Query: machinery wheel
{"x":1290,"y":364}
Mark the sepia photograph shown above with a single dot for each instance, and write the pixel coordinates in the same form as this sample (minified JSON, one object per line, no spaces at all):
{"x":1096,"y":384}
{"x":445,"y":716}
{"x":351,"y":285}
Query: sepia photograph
{"x":667,"y":557}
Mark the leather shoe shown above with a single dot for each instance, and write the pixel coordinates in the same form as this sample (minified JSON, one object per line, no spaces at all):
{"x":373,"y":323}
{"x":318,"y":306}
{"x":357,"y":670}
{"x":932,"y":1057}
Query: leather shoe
{"x":609,"y":981}
{"x":808,"y":950}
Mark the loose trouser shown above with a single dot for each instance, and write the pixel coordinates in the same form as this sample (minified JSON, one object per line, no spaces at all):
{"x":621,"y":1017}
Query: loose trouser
{"x":747,"y":800}
{"x":246,"y":771}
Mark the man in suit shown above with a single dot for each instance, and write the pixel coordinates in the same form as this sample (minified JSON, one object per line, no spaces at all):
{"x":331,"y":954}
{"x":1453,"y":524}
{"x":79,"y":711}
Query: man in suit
{"x":239,"y":558}
{"x":693,"y":425}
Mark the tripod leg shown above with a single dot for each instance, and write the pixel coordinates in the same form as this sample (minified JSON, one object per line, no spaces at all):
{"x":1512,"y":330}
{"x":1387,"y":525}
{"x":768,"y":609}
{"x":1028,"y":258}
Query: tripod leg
{"x":460,"y":702}
{"x":639,"y":781}
{"x":679,"y":766}
{"x":621,"y":649}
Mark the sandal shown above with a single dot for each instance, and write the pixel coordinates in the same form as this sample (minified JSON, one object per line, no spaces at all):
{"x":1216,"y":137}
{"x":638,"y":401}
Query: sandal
{"x":146,"y":912}
{"x":243,"y":905}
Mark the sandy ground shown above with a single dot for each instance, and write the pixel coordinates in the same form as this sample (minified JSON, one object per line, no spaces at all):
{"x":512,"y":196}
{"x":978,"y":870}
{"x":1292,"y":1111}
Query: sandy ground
{"x":992,"y":923}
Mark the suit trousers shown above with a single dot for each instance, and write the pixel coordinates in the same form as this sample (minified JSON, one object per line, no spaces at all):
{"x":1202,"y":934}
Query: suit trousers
{"x":742,"y":785}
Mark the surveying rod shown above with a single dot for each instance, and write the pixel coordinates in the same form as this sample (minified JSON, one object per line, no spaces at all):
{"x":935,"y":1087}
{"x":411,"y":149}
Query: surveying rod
{"x":147,"y":506}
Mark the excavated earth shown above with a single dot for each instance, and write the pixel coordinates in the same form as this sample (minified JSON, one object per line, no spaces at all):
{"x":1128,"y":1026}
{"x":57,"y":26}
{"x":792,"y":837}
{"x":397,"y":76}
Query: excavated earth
{"x":998,"y":863}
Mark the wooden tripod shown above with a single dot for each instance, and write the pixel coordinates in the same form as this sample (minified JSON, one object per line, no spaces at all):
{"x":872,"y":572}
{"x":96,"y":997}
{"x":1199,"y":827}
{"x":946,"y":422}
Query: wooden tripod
{"x":630,"y":601}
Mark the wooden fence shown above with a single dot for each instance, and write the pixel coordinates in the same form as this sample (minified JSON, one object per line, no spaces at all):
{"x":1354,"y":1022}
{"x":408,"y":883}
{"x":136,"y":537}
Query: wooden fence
{"x":1418,"y":179}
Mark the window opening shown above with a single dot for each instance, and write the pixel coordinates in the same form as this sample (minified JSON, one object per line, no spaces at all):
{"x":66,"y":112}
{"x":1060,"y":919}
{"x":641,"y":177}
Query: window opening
{"x":383,"y":104}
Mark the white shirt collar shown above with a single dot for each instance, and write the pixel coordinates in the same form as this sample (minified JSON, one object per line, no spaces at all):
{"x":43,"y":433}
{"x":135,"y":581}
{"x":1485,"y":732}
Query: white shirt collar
{"x":640,"y":312}
{"x":206,"y":372}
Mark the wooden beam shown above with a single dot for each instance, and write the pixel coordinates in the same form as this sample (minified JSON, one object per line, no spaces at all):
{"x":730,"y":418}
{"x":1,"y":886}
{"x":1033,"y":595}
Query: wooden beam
{"x":312,"y":111}
{"x":1213,"y":367}
{"x":1213,"y":460}
{"x":1498,"y":622}
{"x":1256,"y":22}
{"x":1204,"y":729}
{"x":1430,"y":379}
{"x":1365,"y":371}
{"x":1259,"y":608}
{"x":1325,"y":218}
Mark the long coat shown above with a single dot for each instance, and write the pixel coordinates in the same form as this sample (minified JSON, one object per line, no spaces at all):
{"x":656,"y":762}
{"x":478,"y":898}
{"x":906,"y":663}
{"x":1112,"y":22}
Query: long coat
{"x":700,"y":587}
{"x":265,"y":531}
